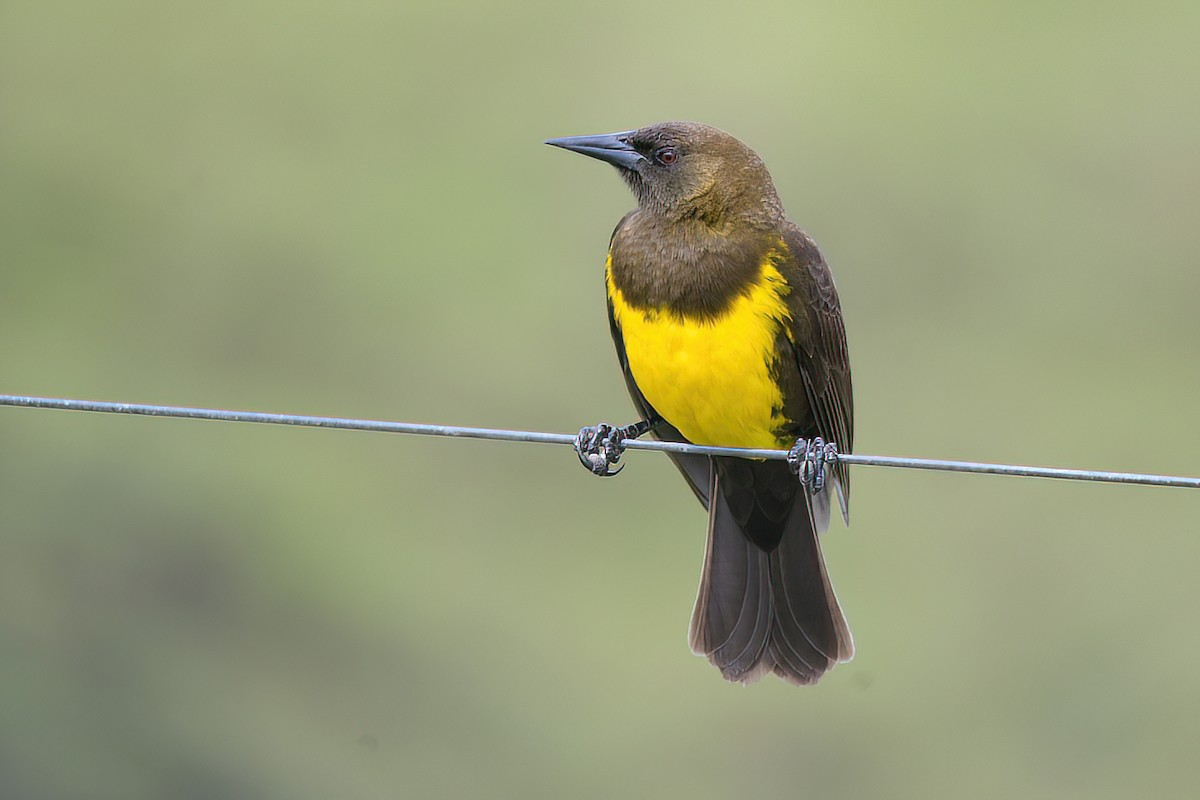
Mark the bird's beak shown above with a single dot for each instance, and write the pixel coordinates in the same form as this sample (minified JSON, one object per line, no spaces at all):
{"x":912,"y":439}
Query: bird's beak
{"x":611,"y":147}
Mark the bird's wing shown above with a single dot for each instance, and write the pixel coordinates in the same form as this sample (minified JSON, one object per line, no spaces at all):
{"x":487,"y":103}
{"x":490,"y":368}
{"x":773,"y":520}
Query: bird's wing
{"x":817,"y":338}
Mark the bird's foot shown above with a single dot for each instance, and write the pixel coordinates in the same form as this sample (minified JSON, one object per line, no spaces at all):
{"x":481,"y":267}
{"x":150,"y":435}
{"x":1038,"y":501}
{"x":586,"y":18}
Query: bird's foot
{"x":808,"y":459}
{"x":599,"y":447}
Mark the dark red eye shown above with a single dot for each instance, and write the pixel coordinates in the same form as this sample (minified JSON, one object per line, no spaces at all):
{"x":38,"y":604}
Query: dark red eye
{"x":666,"y":155}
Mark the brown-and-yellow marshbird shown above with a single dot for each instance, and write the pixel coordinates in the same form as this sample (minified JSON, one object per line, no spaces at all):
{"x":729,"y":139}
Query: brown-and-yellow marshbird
{"x":729,"y":332}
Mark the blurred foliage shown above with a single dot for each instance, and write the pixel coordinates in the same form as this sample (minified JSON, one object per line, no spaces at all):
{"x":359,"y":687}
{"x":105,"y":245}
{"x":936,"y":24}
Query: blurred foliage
{"x":346,"y":209}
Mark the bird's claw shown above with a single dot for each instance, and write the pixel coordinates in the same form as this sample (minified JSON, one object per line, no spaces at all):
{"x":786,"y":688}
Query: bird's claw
{"x":599,"y":447}
{"x":808,"y":459}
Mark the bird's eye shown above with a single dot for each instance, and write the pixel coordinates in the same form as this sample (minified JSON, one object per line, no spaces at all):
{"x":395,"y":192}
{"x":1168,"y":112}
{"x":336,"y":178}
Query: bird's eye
{"x":666,"y":155}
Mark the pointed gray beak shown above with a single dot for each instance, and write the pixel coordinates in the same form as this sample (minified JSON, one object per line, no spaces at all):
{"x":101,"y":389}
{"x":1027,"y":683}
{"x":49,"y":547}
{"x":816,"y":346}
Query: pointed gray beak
{"x":611,"y":147}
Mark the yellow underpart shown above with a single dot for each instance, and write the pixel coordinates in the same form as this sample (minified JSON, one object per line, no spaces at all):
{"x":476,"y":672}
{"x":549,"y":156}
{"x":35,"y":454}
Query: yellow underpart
{"x":711,"y":378}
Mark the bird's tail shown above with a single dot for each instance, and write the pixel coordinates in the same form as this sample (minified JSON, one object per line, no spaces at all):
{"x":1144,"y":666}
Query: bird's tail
{"x":767,"y":609}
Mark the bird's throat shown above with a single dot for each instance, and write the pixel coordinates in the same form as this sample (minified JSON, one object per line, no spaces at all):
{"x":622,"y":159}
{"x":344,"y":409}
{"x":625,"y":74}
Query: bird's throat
{"x":691,"y":270}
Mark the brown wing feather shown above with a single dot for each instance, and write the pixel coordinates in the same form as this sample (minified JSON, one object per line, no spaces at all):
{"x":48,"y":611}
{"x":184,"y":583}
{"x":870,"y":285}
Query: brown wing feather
{"x":818,"y":344}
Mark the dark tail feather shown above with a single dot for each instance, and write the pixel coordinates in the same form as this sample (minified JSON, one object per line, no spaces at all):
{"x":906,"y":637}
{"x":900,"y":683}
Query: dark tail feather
{"x":761,"y":610}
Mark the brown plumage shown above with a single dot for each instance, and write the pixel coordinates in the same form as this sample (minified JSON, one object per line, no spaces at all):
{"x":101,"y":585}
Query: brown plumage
{"x":709,"y":256}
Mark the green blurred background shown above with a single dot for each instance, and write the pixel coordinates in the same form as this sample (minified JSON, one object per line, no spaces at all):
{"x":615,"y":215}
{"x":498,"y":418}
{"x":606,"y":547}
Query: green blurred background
{"x":345,"y":209}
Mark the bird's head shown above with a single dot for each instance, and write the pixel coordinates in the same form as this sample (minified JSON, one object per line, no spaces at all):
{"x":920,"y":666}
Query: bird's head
{"x":687,"y":169}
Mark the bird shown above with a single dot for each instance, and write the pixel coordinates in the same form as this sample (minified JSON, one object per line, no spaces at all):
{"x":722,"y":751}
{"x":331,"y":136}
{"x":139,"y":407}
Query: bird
{"x":729,"y":332}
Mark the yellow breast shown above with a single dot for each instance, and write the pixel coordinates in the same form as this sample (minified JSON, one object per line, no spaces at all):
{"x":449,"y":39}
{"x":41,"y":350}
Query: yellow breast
{"x":711,"y":378}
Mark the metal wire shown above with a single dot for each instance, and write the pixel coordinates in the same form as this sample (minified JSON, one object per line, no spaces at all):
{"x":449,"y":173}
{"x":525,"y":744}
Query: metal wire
{"x":569,"y":439}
